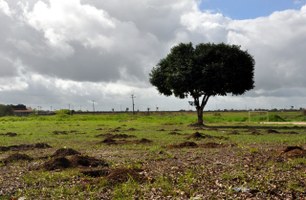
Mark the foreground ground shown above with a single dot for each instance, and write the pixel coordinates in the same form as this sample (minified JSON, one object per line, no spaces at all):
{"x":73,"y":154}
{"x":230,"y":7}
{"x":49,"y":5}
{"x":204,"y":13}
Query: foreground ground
{"x":150,"y":157}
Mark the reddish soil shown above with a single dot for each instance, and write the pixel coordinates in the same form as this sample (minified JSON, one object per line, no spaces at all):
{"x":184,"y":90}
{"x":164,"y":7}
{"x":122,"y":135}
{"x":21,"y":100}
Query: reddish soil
{"x":293,"y":152}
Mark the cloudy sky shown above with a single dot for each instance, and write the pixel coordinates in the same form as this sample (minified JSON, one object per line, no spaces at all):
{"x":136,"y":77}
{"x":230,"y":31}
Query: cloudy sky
{"x":56,"y":53}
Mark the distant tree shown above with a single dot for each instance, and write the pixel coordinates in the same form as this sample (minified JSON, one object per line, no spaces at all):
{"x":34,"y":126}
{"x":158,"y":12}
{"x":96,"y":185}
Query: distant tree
{"x":204,"y":71}
{"x":6,"y":110}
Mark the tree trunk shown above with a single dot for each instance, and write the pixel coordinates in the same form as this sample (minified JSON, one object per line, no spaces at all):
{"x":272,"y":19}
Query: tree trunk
{"x":200,"y":108}
{"x":200,"y":116}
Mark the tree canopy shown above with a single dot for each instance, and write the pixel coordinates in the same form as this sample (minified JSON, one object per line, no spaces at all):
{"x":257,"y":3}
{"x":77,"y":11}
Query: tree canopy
{"x":204,"y":70}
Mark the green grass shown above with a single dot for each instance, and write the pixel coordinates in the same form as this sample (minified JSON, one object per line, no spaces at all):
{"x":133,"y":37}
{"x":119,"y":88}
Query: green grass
{"x":81,"y":135}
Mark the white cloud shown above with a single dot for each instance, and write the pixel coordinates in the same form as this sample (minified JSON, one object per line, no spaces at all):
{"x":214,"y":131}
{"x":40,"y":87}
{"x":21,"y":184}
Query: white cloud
{"x":59,"y":52}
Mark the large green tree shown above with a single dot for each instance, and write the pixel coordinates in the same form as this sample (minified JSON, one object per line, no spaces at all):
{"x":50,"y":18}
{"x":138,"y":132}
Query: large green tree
{"x":204,"y":71}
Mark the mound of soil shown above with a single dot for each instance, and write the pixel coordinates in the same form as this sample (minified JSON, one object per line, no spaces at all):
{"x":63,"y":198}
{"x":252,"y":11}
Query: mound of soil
{"x":86,"y":161}
{"x":254,"y":131}
{"x":143,"y":141}
{"x":115,"y":136}
{"x":161,"y":129}
{"x":292,"y":132}
{"x":174,"y":133}
{"x":294,"y":152}
{"x":109,"y":141}
{"x":57,"y":163}
{"x":16,"y":157}
{"x":95,"y":172}
{"x":234,"y":132}
{"x":73,"y":161}
{"x":9,"y":134}
{"x":60,"y":132}
{"x":122,"y":175}
{"x":272,"y":131}
{"x":198,"y":135}
{"x":212,"y":145}
{"x":184,"y":144}
{"x":65,"y":152}
{"x":176,"y":129}
{"x":23,"y":147}
{"x":132,"y":129}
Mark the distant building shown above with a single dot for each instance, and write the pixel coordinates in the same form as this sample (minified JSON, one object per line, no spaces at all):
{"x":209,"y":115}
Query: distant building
{"x":21,"y":110}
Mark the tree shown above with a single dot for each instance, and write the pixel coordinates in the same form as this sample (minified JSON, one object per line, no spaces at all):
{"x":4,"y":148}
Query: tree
{"x":204,"y":71}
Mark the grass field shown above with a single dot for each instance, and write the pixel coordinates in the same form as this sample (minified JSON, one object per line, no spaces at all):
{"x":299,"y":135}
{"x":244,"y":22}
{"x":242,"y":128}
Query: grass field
{"x":156,"y":156}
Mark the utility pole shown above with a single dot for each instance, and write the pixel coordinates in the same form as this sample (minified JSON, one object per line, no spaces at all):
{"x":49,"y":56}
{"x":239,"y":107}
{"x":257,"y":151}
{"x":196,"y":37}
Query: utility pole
{"x":133,"y":97}
{"x":93,"y":105}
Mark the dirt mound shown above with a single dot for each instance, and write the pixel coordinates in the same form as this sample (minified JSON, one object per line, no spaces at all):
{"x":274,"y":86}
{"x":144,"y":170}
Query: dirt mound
{"x":122,"y":175}
{"x":184,"y":144}
{"x":57,"y":163}
{"x":115,"y":136}
{"x":198,"y":135}
{"x":272,"y":131}
{"x":174,"y":133}
{"x":254,"y":131}
{"x":161,"y":129}
{"x":212,"y":145}
{"x":143,"y":141}
{"x":65,"y":152}
{"x":73,"y":161}
{"x":95,"y":172}
{"x":60,"y":132}
{"x":234,"y":132}
{"x":23,"y":147}
{"x":132,"y":129}
{"x":176,"y":129}
{"x":9,"y":134}
{"x":292,"y":132}
{"x":293,"y":152}
{"x":16,"y":157}
{"x":109,"y":141}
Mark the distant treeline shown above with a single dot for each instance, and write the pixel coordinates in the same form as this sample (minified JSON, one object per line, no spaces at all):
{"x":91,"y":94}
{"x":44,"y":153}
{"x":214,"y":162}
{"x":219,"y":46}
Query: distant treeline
{"x":7,"y":110}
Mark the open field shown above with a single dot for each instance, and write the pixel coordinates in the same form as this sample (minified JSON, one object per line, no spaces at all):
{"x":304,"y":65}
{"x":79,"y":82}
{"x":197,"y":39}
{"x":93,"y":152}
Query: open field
{"x":157,"y":156}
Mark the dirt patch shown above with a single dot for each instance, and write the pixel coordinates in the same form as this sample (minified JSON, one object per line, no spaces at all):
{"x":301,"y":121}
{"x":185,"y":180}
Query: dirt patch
{"x":272,"y":131}
{"x":132,"y":129}
{"x":293,"y":152}
{"x":95,"y":172}
{"x":234,"y":132}
{"x":9,"y":134}
{"x":292,"y":132}
{"x":198,"y":135}
{"x":212,"y":145}
{"x":16,"y":157}
{"x":254,"y":131}
{"x":184,"y":145}
{"x":25,"y":147}
{"x":111,"y":141}
{"x":161,"y":129}
{"x":143,"y":141}
{"x":115,"y":136}
{"x":122,"y":175}
{"x":65,"y":152}
{"x":72,"y":162}
{"x":174,"y":133}
{"x":59,"y":132}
